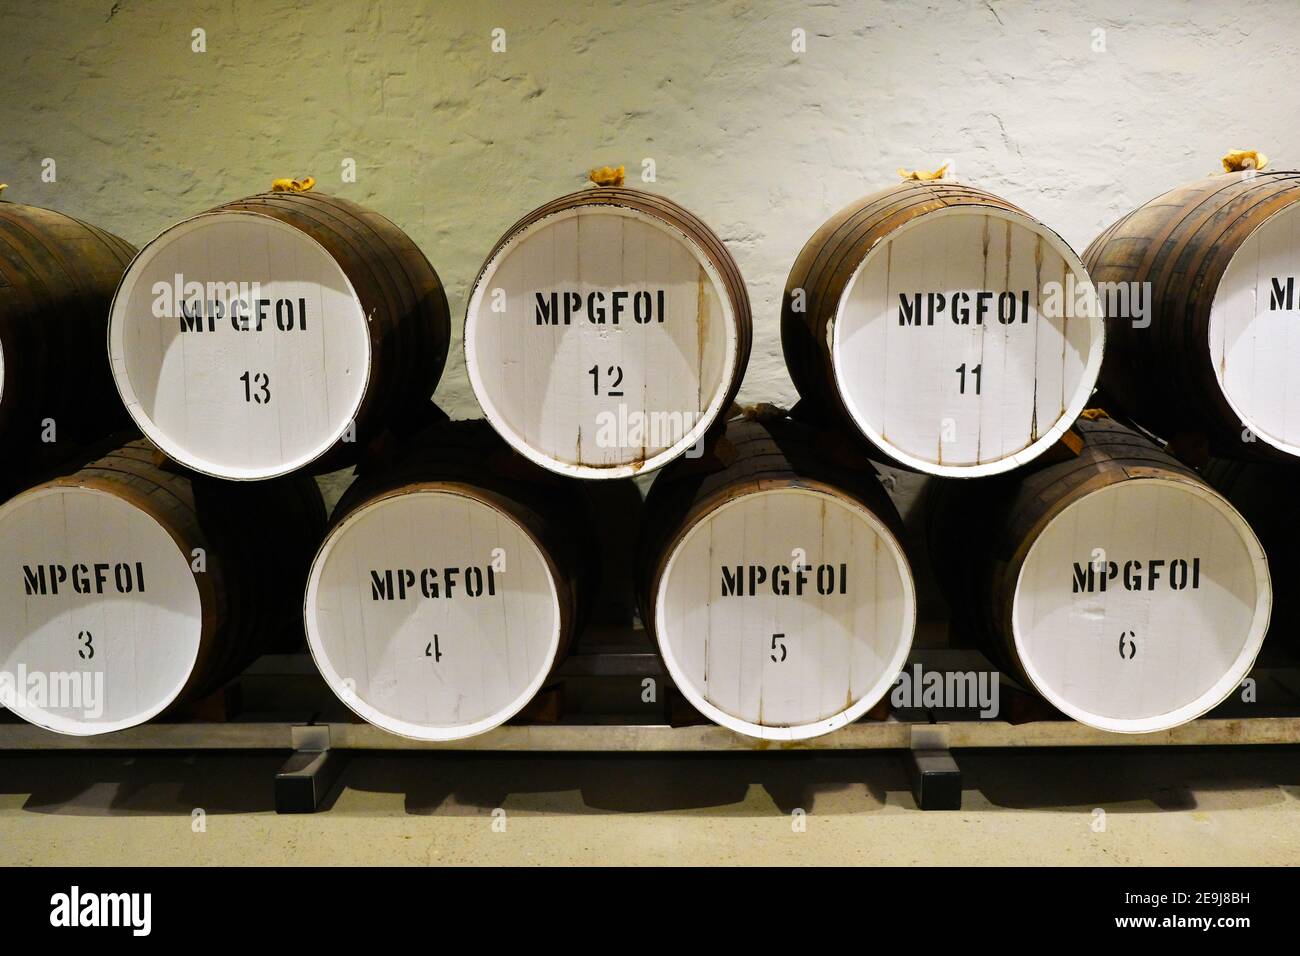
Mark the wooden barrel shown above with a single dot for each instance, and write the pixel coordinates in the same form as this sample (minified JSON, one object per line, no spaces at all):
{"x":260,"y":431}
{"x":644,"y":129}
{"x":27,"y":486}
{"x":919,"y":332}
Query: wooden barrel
{"x":606,"y":332}
{"x":1263,"y":492}
{"x":617,"y":507}
{"x":1117,"y":584}
{"x":959,"y":335}
{"x":774,"y":583}
{"x":277,"y":332}
{"x":130,"y":586}
{"x":57,"y":277}
{"x":449,"y":586}
{"x":1200,"y":290}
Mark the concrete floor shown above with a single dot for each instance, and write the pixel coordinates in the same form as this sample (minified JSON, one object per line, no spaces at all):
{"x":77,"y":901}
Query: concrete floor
{"x":1226,"y":806}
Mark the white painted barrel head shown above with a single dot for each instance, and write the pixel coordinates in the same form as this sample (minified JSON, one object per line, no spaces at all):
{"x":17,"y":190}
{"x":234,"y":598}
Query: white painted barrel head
{"x":773,"y":652}
{"x":239,"y":345}
{"x":600,"y":341}
{"x":967,"y":341}
{"x":1142,"y":605}
{"x":102,"y":617}
{"x":1254,"y":342}
{"x":433,"y":614}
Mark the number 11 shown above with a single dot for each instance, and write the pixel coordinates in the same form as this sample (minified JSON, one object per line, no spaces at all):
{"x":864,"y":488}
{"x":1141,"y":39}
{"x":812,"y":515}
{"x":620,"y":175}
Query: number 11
{"x":975,"y":372}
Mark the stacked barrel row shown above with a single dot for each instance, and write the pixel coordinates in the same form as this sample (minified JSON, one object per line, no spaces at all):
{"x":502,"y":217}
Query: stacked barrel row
{"x":931,"y":327}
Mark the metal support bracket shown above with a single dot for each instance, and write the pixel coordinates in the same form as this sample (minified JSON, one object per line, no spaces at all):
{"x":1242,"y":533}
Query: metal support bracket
{"x":309,"y":775}
{"x":934,"y":774}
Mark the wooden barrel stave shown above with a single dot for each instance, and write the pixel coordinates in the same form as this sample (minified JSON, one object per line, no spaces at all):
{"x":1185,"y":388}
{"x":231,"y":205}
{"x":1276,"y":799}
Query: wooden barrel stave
{"x":1263,"y":491}
{"x":57,"y":276}
{"x":379,"y":297}
{"x":1182,"y":244}
{"x":258,"y":542}
{"x":414,"y":326}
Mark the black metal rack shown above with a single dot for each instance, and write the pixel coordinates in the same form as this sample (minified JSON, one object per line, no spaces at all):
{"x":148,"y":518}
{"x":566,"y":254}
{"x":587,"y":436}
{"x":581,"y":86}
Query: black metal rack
{"x":598,"y":702}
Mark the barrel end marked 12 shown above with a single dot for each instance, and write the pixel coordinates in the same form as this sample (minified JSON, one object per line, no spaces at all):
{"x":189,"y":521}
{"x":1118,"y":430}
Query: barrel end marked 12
{"x":606,"y":332}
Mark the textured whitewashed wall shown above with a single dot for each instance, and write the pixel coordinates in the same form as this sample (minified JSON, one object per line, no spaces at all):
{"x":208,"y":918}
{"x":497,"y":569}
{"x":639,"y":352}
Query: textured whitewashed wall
{"x":1077,"y":111}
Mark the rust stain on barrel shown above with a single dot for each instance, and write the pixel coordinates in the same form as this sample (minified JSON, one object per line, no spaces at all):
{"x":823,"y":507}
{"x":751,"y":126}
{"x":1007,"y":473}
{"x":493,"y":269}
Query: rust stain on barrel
{"x":701,"y":320}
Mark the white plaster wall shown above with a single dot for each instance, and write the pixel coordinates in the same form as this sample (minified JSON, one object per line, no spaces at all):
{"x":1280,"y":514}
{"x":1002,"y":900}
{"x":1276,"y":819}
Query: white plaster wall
{"x":454,"y":142}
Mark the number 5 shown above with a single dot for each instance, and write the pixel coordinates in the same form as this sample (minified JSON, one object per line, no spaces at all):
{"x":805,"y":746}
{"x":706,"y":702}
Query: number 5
{"x":778,"y":643}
